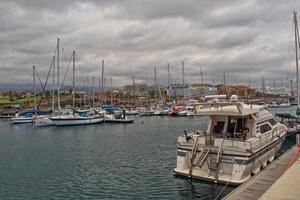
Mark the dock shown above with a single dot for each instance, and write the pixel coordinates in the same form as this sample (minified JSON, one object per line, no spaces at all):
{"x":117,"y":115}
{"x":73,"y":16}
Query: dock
{"x":287,"y":186}
{"x":257,"y":186}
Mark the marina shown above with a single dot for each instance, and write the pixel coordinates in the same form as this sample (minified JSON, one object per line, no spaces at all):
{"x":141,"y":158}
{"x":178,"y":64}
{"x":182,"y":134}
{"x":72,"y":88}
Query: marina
{"x":149,"y":100}
{"x":113,"y":161}
{"x":102,"y":161}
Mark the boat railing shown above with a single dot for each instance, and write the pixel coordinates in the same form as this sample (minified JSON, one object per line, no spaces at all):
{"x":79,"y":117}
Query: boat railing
{"x":215,"y":141}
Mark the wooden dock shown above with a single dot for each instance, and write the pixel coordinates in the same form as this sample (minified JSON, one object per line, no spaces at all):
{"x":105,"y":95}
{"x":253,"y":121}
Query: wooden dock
{"x":256,"y":186}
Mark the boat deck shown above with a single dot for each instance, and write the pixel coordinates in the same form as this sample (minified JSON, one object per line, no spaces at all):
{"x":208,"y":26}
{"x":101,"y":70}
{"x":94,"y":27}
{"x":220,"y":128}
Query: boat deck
{"x":256,"y":186}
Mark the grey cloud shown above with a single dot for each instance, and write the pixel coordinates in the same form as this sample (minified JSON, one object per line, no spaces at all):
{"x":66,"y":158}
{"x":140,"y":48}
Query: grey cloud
{"x":242,"y":38}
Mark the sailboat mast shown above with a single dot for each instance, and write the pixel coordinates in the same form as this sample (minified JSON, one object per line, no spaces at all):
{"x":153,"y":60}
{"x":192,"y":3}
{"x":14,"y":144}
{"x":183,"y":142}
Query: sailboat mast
{"x":168,"y":74}
{"x":102,"y":78}
{"x":34,"y":91}
{"x":58,"y":86}
{"x":73,"y":90}
{"x":53,"y":85}
{"x":168,"y":81}
{"x":155,"y":85}
{"x":201,"y":75}
{"x":249,"y":84}
{"x":183,"y":81}
{"x":111,"y":92}
{"x":93,"y":78}
{"x":84,"y":92}
{"x":296,"y":51}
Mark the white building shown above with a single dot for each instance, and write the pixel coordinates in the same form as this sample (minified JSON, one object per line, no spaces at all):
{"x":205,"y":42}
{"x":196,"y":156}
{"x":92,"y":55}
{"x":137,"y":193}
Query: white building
{"x":179,"y":90}
{"x":203,"y":90}
{"x":283,"y":91}
{"x":195,"y":90}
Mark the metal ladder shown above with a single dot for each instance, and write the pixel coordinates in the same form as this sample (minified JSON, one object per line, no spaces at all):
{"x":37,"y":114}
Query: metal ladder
{"x":201,"y":157}
{"x":214,"y":163}
{"x":197,"y":158}
{"x":193,"y":154}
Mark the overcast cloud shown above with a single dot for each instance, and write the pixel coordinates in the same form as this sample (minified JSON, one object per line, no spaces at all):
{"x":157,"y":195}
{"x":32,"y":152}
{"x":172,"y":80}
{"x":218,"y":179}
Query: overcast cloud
{"x":244,"y":39}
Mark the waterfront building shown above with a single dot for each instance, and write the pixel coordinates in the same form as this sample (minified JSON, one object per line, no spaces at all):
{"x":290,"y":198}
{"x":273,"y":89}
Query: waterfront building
{"x":179,"y":90}
{"x":138,"y":89}
{"x":201,"y":90}
{"x":282,"y":91}
{"x":239,"y":90}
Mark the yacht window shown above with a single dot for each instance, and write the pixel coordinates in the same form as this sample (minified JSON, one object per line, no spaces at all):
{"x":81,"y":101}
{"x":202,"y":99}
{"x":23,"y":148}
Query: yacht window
{"x":265,"y":128}
{"x":231,"y":125}
{"x":218,"y":128}
{"x":272,"y":121}
{"x":241,"y":122}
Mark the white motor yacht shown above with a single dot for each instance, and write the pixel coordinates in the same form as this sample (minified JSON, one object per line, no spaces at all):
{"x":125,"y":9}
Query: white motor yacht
{"x":240,"y":140}
{"x":187,"y":111}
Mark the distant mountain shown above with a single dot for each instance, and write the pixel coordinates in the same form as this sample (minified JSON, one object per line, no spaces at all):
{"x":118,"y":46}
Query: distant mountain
{"x":15,"y":87}
{"x":21,"y":87}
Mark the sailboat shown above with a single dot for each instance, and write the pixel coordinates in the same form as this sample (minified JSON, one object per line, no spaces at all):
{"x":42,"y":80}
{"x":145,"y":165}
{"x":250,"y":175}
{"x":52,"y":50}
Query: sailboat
{"x":292,"y":122}
{"x":76,"y":117}
{"x":22,"y":119}
{"x":45,"y":120}
{"x":27,"y":117}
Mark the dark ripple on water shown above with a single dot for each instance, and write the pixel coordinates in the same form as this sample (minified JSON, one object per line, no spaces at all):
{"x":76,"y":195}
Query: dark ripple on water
{"x":132,"y":161}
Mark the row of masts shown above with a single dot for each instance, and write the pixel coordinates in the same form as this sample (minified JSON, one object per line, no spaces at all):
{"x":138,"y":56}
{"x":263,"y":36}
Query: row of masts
{"x":58,"y":86}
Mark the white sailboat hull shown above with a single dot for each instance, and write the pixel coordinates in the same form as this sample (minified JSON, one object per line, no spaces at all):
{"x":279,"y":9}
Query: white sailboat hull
{"x":21,"y":120}
{"x":63,"y":121}
{"x":46,"y":121}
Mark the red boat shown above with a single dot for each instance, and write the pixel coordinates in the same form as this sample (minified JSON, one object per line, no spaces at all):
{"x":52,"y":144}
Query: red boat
{"x":175,"y":111}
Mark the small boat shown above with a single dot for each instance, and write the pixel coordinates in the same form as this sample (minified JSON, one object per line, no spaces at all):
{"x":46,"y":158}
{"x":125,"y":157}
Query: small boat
{"x":174,"y":112}
{"x":182,"y":113}
{"x":161,"y":112}
{"x":147,"y":113}
{"x":285,"y":105}
{"x":132,"y":112}
{"x":281,"y":105}
{"x":290,"y":121}
{"x":117,"y":117}
{"x":188,"y":111}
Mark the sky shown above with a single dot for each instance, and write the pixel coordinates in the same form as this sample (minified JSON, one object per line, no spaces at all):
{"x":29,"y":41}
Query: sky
{"x":245,"y":39}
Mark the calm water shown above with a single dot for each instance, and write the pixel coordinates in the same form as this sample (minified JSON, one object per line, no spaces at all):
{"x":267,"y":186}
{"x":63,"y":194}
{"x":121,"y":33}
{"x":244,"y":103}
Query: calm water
{"x":133,"y":161}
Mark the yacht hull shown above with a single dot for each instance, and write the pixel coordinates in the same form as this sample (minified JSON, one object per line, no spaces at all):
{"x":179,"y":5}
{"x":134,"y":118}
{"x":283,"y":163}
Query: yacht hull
{"x":233,"y":169}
